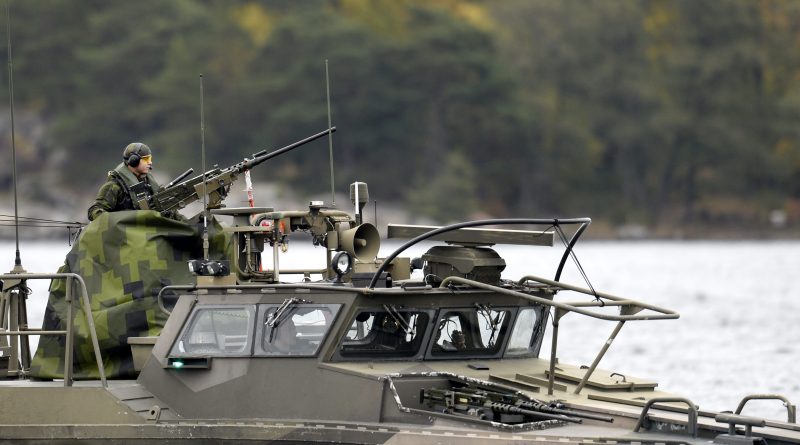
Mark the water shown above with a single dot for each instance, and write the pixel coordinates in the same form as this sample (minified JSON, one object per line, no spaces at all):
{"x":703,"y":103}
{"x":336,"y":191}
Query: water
{"x":739,"y":330}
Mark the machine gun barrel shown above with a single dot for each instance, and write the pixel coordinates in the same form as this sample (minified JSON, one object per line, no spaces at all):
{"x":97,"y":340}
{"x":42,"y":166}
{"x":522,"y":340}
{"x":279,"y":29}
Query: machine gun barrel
{"x":512,"y":409}
{"x":463,"y":400}
{"x":262,"y":155}
{"x":543,"y":408}
{"x":214,"y":183}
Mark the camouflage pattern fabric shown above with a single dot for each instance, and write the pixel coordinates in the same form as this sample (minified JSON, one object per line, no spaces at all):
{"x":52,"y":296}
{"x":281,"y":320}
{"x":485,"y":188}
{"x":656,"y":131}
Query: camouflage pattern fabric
{"x":125,"y":258}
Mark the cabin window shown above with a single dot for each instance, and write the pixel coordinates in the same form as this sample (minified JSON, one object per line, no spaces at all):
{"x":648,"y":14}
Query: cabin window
{"x":386,"y":332}
{"x":296,"y":329}
{"x":474,"y":331}
{"x":216,"y":331}
{"x":522,"y":338}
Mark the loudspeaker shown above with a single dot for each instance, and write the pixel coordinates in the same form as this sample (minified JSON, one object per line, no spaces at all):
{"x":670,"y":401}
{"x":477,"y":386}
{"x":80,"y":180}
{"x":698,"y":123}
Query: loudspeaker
{"x":363,"y":242}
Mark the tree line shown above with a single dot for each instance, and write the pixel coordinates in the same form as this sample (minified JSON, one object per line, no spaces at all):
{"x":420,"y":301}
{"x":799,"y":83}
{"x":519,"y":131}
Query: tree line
{"x":655,"y":112}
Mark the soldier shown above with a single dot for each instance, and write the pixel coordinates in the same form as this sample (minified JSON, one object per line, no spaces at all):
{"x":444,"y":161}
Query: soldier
{"x":116,"y":193}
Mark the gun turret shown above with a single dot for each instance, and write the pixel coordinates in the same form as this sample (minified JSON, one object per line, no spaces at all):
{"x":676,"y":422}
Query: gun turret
{"x":215,"y":183}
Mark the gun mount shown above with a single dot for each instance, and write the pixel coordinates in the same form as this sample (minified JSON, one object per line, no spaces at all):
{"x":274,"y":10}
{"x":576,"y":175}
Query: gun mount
{"x":461,"y":397}
{"x":214,"y":183}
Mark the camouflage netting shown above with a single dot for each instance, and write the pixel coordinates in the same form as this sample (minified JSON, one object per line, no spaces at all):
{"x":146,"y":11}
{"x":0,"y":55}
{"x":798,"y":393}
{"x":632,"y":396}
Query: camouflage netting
{"x":125,"y":258}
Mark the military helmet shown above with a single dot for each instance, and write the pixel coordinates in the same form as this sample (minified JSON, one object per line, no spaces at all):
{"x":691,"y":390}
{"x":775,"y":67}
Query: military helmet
{"x":134,"y":153}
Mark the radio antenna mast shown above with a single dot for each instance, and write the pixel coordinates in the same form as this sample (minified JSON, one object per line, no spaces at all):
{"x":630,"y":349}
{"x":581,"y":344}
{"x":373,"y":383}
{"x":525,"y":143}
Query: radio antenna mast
{"x":203,"y":156}
{"x":330,"y":133}
{"x":12,"y":299}
{"x":17,"y":260}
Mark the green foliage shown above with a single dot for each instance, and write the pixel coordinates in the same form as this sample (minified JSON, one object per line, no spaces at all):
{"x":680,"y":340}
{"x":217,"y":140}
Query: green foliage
{"x":448,"y":194}
{"x":658,"y":112}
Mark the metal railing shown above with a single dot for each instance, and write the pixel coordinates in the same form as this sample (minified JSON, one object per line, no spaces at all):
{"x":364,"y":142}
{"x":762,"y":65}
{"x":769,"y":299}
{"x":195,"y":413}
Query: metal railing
{"x":628,"y":311}
{"x":69,"y":332}
{"x":691,"y":425}
{"x":628,"y":308}
{"x":191,"y":288}
{"x":790,"y":408}
{"x":582,"y":223}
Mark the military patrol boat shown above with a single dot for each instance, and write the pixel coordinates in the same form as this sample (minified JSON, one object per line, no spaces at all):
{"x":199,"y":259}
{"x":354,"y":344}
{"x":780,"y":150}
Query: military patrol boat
{"x":439,"y":349}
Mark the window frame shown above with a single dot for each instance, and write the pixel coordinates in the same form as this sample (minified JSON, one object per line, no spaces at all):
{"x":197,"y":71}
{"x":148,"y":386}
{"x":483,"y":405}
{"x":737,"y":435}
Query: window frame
{"x":192,"y":319}
{"x":512,"y":318}
{"x":537,"y":335}
{"x":417,"y":355}
{"x":263,"y":308}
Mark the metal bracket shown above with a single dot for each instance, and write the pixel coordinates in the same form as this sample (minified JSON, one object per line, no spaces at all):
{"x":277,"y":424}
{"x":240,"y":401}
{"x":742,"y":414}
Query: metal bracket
{"x":692,"y":411}
{"x":732,"y":438}
{"x":791,"y":409}
{"x":154,"y":414}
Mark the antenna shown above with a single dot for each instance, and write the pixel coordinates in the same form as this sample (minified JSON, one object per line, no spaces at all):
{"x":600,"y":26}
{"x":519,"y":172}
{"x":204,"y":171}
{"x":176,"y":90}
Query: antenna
{"x":17,"y":260}
{"x":330,"y":134}
{"x":203,"y":156}
{"x":14,"y":310}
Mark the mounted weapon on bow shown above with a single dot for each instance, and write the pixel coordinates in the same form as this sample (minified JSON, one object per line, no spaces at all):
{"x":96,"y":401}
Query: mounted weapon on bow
{"x":215,"y":183}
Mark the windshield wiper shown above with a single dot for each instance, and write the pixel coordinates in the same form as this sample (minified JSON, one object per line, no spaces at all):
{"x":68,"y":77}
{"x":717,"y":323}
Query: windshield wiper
{"x":486,"y":312}
{"x":281,"y":314}
{"x":398,"y":318}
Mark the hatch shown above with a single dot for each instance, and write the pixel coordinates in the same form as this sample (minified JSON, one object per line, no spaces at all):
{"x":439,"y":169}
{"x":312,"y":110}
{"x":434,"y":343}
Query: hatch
{"x":602,"y":379}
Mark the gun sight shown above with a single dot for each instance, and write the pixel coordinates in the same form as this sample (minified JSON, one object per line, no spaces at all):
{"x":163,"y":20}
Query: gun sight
{"x":179,"y":178}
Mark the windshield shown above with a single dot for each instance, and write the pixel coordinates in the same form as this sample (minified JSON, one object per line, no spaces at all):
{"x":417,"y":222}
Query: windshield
{"x":296,"y":329}
{"x":471,"y":331}
{"x":386,"y":332}
{"x":526,"y":335}
{"x":216,"y":331}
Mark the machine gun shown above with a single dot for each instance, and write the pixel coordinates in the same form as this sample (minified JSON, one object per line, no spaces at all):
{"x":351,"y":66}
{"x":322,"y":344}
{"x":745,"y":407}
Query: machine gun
{"x":217,"y":181}
{"x":499,"y":407}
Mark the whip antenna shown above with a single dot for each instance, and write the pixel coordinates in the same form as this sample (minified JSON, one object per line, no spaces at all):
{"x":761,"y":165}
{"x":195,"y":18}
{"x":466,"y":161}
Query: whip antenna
{"x":330,"y":134}
{"x":17,"y":259}
{"x":203,"y":156}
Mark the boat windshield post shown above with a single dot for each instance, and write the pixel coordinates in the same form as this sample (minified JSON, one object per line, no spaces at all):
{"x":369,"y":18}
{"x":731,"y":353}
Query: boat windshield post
{"x":553,"y":349}
{"x":599,"y":357}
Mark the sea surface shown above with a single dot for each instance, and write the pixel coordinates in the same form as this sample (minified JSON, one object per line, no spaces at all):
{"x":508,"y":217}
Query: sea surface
{"x":738,"y":333}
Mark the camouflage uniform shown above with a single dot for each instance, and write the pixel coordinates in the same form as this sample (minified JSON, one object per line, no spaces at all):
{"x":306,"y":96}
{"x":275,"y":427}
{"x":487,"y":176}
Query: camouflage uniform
{"x":115,"y":194}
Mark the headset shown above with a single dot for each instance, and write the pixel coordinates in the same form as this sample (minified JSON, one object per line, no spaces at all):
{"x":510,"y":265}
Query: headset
{"x":134,"y":159}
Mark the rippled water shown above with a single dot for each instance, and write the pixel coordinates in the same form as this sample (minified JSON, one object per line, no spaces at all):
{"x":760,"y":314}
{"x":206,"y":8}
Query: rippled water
{"x":739,"y":330}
